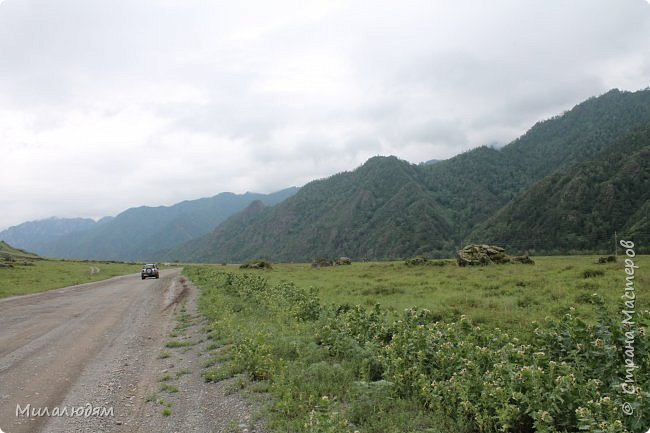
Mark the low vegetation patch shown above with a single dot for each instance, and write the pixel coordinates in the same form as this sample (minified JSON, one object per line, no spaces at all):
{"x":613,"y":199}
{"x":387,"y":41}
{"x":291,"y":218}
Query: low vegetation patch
{"x":323,"y":262}
{"x":175,"y":343}
{"x":338,"y":367}
{"x":592,"y":273}
{"x":257,"y":264}
{"x":421,"y":260}
{"x":165,"y":387}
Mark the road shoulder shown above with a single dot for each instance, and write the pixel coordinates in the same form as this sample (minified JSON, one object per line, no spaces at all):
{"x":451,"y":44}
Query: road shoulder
{"x":178,"y":398}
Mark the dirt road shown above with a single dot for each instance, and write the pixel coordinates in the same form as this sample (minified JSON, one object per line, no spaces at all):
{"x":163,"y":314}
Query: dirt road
{"x":91,"y":353}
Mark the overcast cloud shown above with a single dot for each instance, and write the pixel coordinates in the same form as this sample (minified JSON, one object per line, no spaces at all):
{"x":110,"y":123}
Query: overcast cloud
{"x":106,"y":105}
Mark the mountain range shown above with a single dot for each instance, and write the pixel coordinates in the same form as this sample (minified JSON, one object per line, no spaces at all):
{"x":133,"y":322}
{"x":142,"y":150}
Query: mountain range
{"x":135,"y":234}
{"x":581,"y":208}
{"x":566,"y":185}
{"x":389,"y":208}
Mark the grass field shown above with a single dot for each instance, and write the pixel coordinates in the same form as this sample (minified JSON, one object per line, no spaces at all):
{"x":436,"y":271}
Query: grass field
{"x":499,"y":295}
{"x":31,"y":276}
{"x":383,"y":347}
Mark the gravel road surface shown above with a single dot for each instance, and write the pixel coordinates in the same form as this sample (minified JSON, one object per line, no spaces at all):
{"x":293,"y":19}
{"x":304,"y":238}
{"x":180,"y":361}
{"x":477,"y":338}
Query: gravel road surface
{"x":95,"y":349}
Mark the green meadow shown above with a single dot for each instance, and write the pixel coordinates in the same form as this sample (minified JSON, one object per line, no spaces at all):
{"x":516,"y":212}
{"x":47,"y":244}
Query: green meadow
{"x":506,"y":295}
{"x":31,"y":276}
{"x":386,"y":347}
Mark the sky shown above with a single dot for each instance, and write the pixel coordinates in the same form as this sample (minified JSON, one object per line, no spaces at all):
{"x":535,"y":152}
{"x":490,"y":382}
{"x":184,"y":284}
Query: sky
{"x":110,"y":105}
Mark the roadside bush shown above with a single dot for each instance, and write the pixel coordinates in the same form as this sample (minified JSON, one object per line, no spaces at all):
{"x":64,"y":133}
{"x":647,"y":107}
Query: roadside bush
{"x":553,"y":382}
{"x":252,"y":355}
{"x":288,"y":299}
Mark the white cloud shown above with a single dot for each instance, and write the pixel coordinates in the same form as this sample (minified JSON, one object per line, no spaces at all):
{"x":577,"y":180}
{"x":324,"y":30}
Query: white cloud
{"x":104,"y":106}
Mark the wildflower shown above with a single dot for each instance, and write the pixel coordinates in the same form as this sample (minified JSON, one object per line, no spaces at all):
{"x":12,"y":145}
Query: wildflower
{"x":546,"y":417}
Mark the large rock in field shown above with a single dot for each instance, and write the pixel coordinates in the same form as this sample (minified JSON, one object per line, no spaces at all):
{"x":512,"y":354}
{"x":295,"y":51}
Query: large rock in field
{"x":482,"y":255}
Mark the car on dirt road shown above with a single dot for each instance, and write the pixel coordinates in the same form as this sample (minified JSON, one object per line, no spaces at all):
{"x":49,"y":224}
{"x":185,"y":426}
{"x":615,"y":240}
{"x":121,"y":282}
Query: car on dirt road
{"x":149,"y":270}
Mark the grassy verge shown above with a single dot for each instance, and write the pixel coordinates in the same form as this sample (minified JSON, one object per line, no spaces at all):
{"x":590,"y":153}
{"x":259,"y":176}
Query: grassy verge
{"x":40,"y":275}
{"x":345,"y":355}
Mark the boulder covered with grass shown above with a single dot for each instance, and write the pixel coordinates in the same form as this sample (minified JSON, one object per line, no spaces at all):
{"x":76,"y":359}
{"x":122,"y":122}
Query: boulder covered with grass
{"x":343,"y":261}
{"x":322,"y":262}
{"x":483,"y":255}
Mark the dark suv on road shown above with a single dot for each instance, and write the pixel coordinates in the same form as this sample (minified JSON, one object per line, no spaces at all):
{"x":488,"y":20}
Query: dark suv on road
{"x":149,"y":271}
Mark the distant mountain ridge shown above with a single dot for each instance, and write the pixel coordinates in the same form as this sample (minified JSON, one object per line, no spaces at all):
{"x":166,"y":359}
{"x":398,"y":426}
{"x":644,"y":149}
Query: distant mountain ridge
{"x":388,"y":208}
{"x":135,"y":234}
{"x":37,"y":235}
